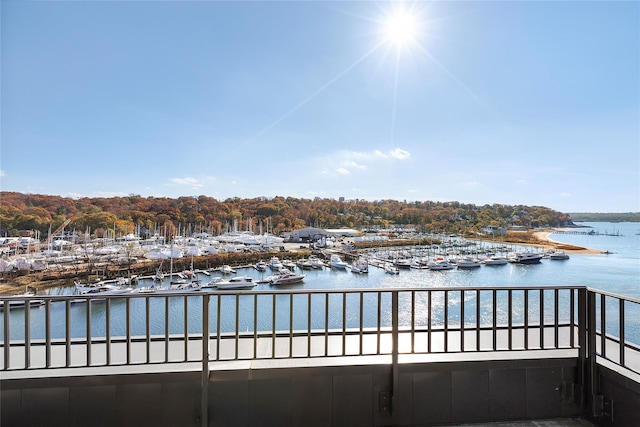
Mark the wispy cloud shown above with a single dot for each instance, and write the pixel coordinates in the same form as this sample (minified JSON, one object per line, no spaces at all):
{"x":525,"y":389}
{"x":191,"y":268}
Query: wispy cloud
{"x":354,"y":165}
{"x":347,"y":162}
{"x":2,"y":173}
{"x":397,"y":153}
{"x":400,"y":154}
{"x":187,"y":180}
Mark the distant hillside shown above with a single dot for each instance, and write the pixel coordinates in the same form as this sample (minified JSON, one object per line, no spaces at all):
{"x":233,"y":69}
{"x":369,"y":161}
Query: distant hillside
{"x":119,"y":216}
{"x":605,"y":217}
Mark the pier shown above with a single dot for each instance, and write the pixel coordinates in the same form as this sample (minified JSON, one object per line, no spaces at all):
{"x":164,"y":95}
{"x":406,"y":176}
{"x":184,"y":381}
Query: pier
{"x":590,"y":233}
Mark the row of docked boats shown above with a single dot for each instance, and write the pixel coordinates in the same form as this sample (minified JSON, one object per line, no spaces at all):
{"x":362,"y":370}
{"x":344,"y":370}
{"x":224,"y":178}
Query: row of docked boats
{"x":21,"y":301}
{"x":468,"y":262}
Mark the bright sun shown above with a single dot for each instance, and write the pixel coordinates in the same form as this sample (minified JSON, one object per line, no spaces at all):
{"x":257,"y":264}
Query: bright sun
{"x":400,"y":28}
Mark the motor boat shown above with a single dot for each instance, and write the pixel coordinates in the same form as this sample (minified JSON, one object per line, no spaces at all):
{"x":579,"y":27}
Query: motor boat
{"x":440,"y":265}
{"x":174,"y":287}
{"x":226,"y":269}
{"x":525,"y":258}
{"x":360,"y":267}
{"x":286,"y":277}
{"x":21,"y":301}
{"x":238,"y":282}
{"x":402,"y":263}
{"x":316,"y":262}
{"x":337,"y":262}
{"x":275,"y":264}
{"x":559,"y":255}
{"x":468,"y":263}
{"x":495,"y":260}
{"x":391,"y":270}
{"x":304,"y":264}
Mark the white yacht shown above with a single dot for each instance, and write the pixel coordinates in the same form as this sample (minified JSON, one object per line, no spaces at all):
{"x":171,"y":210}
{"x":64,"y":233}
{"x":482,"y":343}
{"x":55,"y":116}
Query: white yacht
{"x":468,"y":263}
{"x":495,"y":260}
{"x":275,"y":264}
{"x":238,"y":282}
{"x":337,"y":262}
{"x":440,"y":265}
{"x":558,"y":255}
{"x":525,"y":258}
{"x":286,"y":277}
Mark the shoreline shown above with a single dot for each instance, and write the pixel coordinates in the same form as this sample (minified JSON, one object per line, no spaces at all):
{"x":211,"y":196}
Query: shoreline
{"x":543,"y":236}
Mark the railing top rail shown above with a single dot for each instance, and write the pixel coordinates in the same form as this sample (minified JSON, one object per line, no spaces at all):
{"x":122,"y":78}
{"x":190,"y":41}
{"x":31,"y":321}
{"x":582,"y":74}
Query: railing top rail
{"x":311,"y":291}
{"x":614,"y":295}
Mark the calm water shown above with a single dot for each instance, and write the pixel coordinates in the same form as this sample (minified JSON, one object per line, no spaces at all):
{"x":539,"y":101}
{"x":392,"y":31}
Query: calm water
{"x":617,"y":272}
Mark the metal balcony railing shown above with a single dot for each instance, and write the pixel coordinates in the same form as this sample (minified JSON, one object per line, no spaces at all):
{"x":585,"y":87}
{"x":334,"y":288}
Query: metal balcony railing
{"x":133,"y":329}
{"x":191,"y":330}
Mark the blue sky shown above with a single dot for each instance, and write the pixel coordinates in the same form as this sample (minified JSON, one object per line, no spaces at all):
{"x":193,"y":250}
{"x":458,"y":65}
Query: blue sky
{"x":512,"y":102}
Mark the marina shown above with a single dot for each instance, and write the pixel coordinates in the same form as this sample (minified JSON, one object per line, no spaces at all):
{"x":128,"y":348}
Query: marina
{"x":617,"y":272}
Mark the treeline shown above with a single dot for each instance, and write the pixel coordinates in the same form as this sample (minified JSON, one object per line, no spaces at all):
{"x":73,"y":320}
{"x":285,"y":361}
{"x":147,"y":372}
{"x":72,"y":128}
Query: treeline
{"x":606,"y":217}
{"x":124,"y":215}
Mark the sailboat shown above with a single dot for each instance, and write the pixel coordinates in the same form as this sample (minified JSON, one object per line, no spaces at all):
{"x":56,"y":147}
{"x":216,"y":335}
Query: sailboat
{"x":159,"y":276}
{"x":181,"y":285}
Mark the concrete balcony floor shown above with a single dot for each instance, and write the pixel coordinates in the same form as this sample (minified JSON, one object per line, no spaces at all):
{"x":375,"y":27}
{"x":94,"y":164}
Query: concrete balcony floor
{"x":558,"y":422}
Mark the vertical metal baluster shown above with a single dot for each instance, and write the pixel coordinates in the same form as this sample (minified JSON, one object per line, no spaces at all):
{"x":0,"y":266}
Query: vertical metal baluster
{"x":603,"y":326}
{"x":541,"y":318}
{"x":462,"y":321}
{"x":344,"y":323}
{"x":572,"y":313}
{"x":361,"y":323}
{"x":186,"y":329}
{"x":584,"y":341}
{"x":47,"y":331}
{"x":621,"y":322}
{"x":593,"y":377}
{"x":273,"y":329}
{"x":526,"y":319}
{"x":218,"y":328}
{"x":166,"y":327}
{"x":478,"y":320}
{"x":413,"y":321}
{"x":7,"y":336}
{"x":326,"y":324}
{"x":556,"y":315}
{"x":67,"y":325}
{"x":446,"y":321}
{"x":290,"y":325}
{"x":237,"y":326}
{"x":379,"y":320}
{"x":394,"y":349}
{"x":27,"y":334}
{"x":255,"y":326}
{"x":128,"y":328}
{"x":204,"y":380}
{"x":495,"y":320}
{"x":308,"y":325}
{"x":107,"y":325}
{"x":429,"y":336}
{"x":510,"y":318}
{"x":88,"y":332}
{"x":148,"y":327}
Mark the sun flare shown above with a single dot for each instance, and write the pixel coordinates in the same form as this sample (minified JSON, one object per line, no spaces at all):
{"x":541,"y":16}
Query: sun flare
{"x":400,"y":28}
